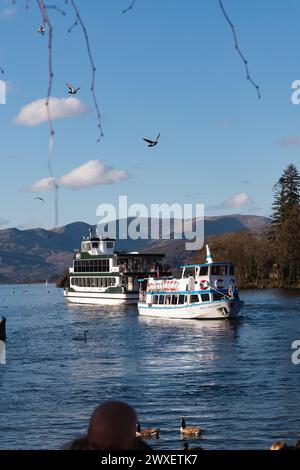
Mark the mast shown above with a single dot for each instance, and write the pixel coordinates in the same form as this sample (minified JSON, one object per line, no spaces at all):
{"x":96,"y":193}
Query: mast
{"x":209,"y":259}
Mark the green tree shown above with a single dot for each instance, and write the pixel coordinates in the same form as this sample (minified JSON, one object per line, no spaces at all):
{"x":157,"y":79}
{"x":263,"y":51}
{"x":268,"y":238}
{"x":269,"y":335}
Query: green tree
{"x":286,"y":196}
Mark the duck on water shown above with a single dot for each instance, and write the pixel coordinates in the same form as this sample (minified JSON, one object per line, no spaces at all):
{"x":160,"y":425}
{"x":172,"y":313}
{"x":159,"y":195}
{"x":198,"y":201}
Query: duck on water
{"x":81,"y":337}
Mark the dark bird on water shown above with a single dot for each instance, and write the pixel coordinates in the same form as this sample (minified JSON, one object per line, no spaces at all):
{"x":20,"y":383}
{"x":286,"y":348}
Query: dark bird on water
{"x":151,"y":143}
{"x":80,"y":337}
{"x":148,"y":433}
{"x":72,"y":89}
{"x":186,"y":447}
{"x":40,"y":199}
{"x":189,"y":430}
{"x":41,"y":30}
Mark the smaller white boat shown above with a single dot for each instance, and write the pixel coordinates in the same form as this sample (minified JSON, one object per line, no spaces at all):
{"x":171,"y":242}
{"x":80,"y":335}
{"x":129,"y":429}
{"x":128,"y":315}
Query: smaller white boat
{"x":205,"y":291}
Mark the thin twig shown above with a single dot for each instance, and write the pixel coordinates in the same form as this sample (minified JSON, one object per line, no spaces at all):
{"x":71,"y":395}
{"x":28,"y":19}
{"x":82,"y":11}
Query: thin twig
{"x":74,"y":24}
{"x":47,"y":21}
{"x":54,"y":7}
{"x":92,"y":88}
{"x":130,"y":7}
{"x":237,"y":47}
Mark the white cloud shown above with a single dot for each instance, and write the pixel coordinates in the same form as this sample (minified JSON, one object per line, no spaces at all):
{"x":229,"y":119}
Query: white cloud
{"x":289,"y":141}
{"x":42,"y":185}
{"x":91,"y":173}
{"x":237,"y":201}
{"x":35,"y":112}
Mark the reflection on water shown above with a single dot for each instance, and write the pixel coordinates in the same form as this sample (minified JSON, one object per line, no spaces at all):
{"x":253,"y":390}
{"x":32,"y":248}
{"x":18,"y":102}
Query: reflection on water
{"x":234,"y":379}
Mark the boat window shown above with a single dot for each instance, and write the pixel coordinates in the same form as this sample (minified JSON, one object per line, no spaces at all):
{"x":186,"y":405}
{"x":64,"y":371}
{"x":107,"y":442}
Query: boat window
{"x":174,"y":299}
{"x":109,"y":244}
{"x":194,"y":298}
{"x":95,"y":265}
{"x":217,"y":296}
{"x":203,"y":270}
{"x":231,"y":270}
{"x":161,"y":299}
{"x":189,"y":272}
{"x":155,"y":299}
{"x":181,"y":299}
{"x":186,"y":299}
{"x":219,"y":270}
{"x":205,"y":297}
{"x":168,"y":300}
{"x":95,"y":244}
{"x":72,"y":281}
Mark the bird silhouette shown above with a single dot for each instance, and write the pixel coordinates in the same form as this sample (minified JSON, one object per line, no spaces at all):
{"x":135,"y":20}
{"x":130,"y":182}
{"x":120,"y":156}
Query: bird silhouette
{"x":41,"y":30}
{"x":152,"y":143}
{"x":72,"y":89}
{"x":81,"y":338}
{"x":40,"y":199}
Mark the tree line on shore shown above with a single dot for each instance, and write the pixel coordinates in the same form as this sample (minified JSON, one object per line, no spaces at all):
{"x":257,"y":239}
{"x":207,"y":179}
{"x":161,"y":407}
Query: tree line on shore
{"x":270,"y":258}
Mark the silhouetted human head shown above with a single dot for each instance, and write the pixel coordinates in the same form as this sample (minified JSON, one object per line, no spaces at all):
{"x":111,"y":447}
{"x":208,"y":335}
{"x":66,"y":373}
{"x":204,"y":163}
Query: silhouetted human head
{"x":112,"y":427}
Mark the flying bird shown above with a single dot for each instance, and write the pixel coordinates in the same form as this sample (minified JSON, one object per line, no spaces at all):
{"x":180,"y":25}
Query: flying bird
{"x":41,"y":30}
{"x":40,"y":199}
{"x":72,"y":89}
{"x":151,"y":143}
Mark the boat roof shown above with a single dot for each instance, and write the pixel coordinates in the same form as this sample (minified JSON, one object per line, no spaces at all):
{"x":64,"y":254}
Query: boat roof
{"x":132,"y":254}
{"x":205,"y":264}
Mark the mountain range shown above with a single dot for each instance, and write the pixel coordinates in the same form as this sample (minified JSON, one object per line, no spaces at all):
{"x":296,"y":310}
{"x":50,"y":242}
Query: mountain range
{"x":34,"y":255}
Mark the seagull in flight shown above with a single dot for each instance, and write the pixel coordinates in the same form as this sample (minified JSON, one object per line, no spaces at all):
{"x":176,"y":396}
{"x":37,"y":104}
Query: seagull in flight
{"x":41,"y":30}
{"x":151,"y":143}
{"x":72,"y":89}
{"x":40,"y":198}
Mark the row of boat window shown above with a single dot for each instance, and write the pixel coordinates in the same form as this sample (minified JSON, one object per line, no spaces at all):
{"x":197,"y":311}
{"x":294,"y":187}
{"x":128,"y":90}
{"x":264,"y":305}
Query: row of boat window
{"x":91,"y":266}
{"x":93,"y":281}
{"x":184,"y":299}
{"x":215,"y":270}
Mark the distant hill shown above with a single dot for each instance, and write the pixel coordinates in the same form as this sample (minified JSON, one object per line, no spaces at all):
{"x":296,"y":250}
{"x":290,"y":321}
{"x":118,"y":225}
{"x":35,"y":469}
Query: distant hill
{"x":36,"y":255}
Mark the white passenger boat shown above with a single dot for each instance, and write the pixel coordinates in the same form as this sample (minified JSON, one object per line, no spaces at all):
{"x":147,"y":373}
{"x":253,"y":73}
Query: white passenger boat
{"x":101,"y":275}
{"x":205,"y":291}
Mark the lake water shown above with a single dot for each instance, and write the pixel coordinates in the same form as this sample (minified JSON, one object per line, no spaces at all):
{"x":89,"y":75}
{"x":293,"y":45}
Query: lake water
{"x":235,"y":380}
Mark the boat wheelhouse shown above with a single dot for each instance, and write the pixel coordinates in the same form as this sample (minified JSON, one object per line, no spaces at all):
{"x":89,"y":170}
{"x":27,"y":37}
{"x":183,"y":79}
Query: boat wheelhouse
{"x":204,"y":291}
{"x":101,"y":275}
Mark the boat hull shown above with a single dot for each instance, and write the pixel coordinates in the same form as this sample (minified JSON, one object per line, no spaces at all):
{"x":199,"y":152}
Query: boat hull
{"x":101,"y":299}
{"x":210,"y":311}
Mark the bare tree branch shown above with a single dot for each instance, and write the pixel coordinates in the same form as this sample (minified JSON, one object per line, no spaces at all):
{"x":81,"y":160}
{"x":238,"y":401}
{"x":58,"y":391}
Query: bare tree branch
{"x":54,"y":7}
{"x":47,"y":21}
{"x":237,"y":47}
{"x":92,"y":88}
{"x":129,"y":7}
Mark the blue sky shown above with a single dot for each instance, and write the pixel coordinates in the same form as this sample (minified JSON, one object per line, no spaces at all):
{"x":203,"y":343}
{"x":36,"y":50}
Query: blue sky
{"x":166,"y":66}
